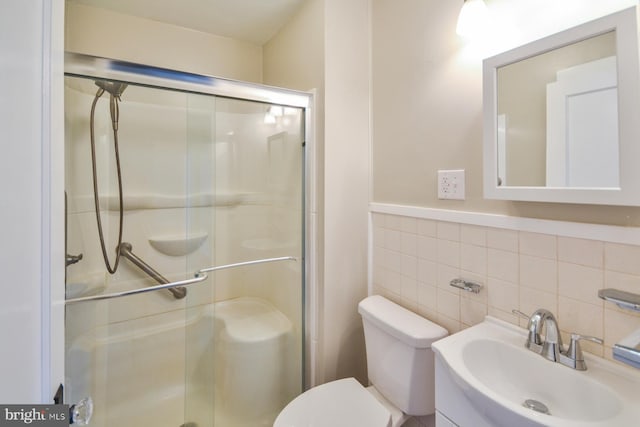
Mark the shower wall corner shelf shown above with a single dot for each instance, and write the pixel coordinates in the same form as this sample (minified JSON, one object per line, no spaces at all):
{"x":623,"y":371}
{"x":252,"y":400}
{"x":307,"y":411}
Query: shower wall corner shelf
{"x":163,"y":201}
{"x":178,"y":245}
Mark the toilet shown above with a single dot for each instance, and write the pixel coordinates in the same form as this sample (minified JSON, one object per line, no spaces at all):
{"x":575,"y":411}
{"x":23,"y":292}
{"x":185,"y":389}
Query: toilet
{"x":400,"y":368}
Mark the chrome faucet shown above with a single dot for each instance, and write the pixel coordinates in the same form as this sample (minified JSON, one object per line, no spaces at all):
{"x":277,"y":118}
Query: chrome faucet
{"x":551,"y":347}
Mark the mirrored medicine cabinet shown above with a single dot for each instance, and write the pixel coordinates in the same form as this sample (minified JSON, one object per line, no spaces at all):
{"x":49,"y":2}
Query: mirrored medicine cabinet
{"x":562,"y":116}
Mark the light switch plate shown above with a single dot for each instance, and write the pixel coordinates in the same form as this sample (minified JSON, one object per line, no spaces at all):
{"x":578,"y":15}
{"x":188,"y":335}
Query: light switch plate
{"x":451,"y":184}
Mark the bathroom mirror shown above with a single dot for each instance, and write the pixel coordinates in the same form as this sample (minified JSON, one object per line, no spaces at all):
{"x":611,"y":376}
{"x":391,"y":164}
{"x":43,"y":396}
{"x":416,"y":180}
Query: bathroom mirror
{"x":562,"y":116}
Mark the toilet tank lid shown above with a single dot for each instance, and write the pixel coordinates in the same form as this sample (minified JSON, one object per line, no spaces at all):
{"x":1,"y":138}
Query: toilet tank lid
{"x":403,"y":324}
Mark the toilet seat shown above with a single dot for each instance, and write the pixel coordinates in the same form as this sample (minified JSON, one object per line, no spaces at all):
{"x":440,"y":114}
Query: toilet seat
{"x":341,"y":403}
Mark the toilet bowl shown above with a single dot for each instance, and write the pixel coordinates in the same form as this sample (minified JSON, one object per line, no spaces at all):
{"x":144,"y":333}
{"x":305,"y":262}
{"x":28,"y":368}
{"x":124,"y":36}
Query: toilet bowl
{"x":342,"y":402}
{"x":400,"y":366}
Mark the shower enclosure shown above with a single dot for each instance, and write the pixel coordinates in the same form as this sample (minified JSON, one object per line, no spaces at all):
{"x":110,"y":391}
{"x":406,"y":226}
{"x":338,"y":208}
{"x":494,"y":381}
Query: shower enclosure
{"x":198,"y":188}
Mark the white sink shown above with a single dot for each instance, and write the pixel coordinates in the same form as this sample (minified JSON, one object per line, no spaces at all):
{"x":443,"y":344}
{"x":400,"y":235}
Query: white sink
{"x":487,"y":368}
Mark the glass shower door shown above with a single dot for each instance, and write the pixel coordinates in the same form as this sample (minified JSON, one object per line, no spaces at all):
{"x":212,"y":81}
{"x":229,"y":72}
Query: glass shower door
{"x":253,"y":163}
{"x":128,"y":353}
{"x":209,"y":183}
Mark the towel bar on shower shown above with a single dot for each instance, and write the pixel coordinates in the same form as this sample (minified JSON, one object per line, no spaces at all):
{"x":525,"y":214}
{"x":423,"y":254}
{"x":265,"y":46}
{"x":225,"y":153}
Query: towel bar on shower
{"x":200,"y":276}
{"x":245,"y":263}
{"x":170,"y":285}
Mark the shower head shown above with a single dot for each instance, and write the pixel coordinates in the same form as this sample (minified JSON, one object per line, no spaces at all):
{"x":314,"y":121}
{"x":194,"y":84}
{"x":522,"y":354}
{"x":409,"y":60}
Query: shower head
{"x":114,"y":88}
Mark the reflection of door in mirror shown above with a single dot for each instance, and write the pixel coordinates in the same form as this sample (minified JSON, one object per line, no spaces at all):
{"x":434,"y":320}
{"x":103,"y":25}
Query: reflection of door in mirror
{"x":522,"y":99}
{"x":502,"y":149}
{"x":582,"y":126}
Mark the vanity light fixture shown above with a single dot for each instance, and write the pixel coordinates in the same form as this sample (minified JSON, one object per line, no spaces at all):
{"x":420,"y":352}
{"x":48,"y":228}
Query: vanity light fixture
{"x":472,"y":19}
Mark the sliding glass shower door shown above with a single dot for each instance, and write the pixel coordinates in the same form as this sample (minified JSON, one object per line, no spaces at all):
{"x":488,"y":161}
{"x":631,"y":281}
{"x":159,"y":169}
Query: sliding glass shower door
{"x":213,"y":197}
{"x":256,"y":310}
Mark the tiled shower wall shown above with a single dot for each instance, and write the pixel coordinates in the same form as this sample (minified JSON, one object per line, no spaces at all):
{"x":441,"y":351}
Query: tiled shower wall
{"x":414,"y":260}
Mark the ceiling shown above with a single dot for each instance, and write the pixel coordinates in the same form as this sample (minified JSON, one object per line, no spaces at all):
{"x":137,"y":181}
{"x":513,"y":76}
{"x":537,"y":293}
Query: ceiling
{"x":254,"y":21}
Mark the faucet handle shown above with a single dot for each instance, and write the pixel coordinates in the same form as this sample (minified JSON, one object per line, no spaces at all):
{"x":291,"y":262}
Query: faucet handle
{"x":573,"y":356}
{"x":578,"y":337}
{"x":574,"y":351}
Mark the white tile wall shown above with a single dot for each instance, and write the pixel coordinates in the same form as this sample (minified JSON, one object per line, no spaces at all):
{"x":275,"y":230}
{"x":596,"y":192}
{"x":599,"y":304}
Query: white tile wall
{"x":415,"y":259}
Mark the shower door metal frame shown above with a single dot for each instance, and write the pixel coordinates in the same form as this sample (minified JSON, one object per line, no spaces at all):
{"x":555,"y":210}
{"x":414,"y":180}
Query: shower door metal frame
{"x":80,"y":65}
{"x":87,"y":66}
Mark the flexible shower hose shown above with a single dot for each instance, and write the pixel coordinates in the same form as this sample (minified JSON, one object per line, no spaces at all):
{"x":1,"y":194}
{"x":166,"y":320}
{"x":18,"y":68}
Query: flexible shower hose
{"x":114,"y":122}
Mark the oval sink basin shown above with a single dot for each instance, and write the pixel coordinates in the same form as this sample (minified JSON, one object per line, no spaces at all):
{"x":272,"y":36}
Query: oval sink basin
{"x":505,"y":384}
{"x":520,"y":376}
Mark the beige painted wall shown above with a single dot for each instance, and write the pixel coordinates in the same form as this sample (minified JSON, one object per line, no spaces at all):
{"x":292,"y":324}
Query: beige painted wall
{"x":101,"y":32}
{"x":347,"y":134}
{"x":294,"y":57}
{"x":427,"y":115}
{"x":426,"y":105}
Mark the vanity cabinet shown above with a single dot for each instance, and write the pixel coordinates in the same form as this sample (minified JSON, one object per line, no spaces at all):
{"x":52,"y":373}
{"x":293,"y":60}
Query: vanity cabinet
{"x":453,"y":408}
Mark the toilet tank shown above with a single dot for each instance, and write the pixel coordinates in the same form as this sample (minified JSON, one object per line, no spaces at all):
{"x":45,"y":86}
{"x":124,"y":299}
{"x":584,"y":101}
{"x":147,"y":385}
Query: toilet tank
{"x":400,"y":362}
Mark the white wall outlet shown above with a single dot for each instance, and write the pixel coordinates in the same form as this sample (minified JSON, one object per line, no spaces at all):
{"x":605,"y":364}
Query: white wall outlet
{"x":451,"y":184}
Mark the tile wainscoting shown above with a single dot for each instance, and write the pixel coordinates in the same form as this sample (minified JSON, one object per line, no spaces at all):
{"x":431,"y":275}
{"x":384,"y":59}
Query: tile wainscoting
{"x":522,"y":263}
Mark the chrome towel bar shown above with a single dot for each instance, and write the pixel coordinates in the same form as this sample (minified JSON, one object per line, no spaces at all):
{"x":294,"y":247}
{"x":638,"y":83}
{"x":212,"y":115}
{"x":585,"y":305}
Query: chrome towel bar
{"x":242,"y":264}
{"x":200,"y":276}
{"x":170,"y":285}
